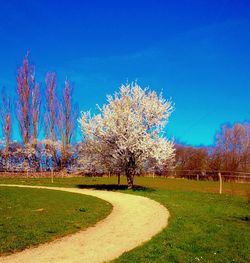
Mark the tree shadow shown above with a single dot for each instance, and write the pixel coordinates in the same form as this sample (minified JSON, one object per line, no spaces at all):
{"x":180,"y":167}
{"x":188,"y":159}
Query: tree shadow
{"x":245,"y":219}
{"x":114,"y":187}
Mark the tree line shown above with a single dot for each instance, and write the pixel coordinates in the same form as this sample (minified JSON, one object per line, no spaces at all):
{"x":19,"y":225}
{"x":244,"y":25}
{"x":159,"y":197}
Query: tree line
{"x":125,"y":137}
{"x":231,"y":151}
{"x":52,"y":118}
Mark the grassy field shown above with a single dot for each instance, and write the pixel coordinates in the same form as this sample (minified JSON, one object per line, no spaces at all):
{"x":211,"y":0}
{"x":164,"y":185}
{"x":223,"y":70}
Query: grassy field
{"x":33,"y":216}
{"x":241,"y":189}
{"x":204,"y":226}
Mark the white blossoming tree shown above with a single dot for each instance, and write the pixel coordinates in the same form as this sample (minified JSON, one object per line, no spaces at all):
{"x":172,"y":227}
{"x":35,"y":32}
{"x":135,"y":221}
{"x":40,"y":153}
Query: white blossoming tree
{"x":128,"y":131}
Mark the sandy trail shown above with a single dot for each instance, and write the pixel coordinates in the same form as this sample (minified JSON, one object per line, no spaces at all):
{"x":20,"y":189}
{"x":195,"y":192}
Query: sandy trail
{"x":133,"y":220}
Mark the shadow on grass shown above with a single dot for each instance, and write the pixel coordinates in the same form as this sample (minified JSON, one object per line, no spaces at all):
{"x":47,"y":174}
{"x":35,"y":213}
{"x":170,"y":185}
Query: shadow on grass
{"x":244,"y":219}
{"x":114,"y":187}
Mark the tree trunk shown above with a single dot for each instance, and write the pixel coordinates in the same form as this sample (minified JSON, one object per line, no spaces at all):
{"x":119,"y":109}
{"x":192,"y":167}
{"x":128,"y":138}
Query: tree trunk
{"x":36,"y":163}
{"x":130,"y":180}
{"x":119,"y":178}
{"x":130,"y":172}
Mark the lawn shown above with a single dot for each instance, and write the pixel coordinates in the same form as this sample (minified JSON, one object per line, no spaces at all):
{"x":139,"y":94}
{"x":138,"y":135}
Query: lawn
{"x":241,"y":189}
{"x":33,"y":216}
{"x":204,"y":226}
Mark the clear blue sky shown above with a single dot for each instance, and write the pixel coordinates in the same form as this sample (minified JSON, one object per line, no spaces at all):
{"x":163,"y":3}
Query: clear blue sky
{"x":196,"y":52}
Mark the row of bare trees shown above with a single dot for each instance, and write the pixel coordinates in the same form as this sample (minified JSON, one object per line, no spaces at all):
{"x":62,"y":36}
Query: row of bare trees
{"x":46,"y":125}
{"x":231,"y":152}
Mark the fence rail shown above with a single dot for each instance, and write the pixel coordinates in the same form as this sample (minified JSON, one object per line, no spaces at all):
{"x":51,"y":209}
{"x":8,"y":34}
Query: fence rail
{"x":186,"y":174}
{"x":200,"y":175}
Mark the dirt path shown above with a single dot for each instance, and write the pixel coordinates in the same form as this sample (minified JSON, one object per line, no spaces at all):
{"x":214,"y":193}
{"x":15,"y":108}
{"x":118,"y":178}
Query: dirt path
{"x":133,"y":220}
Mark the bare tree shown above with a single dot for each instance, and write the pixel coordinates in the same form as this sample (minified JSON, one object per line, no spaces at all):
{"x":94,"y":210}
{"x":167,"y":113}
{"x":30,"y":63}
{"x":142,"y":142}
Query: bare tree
{"x":233,"y":142}
{"x":35,"y":112}
{"x":6,"y":119}
{"x":28,"y":103}
{"x":28,"y":106}
{"x":60,"y":125}
{"x":191,"y":158}
{"x":70,"y":113}
{"x":50,"y":112}
{"x":50,"y":106}
{"x":215,"y":161}
{"x":66,"y":121}
{"x":23,"y":103}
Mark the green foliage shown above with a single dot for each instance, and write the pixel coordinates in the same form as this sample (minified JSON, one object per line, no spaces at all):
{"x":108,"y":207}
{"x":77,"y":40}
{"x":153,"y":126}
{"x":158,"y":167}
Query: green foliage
{"x":33,"y":216}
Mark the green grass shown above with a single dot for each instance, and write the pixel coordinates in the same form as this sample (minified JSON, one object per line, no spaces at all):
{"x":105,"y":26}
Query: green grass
{"x":204,"y":226}
{"x":33,"y":216}
{"x":241,"y":189}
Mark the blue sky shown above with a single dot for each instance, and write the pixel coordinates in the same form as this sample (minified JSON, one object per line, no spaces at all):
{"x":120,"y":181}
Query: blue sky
{"x":196,"y":52}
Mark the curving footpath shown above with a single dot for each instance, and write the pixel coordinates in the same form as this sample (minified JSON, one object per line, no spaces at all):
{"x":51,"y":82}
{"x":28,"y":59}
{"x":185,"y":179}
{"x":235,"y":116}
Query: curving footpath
{"x":133,"y":220}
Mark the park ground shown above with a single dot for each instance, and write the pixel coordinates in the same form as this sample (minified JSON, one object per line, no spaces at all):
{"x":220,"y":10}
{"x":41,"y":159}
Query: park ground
{"x":204,"y":226}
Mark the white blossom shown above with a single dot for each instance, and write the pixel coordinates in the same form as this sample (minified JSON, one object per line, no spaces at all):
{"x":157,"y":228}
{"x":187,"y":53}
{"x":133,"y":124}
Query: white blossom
{"x":129,"y":127}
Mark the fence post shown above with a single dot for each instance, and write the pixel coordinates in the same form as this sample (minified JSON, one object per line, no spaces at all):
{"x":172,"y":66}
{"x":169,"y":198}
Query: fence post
{"x":220,"y":180}
{"x":52,"y":175}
